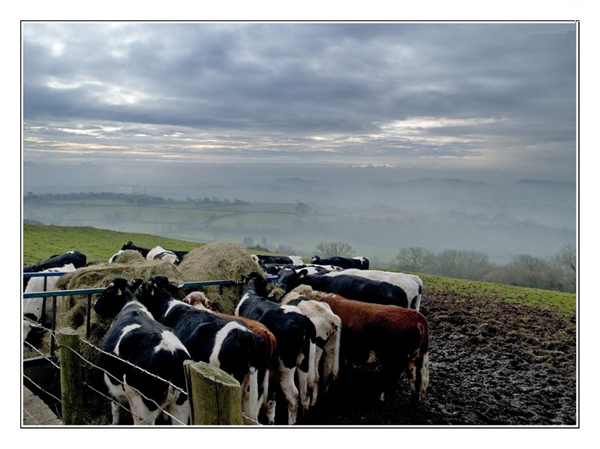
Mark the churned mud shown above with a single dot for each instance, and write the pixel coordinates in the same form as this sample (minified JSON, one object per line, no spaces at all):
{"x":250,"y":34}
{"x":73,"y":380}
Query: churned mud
{"x":491,"y":363}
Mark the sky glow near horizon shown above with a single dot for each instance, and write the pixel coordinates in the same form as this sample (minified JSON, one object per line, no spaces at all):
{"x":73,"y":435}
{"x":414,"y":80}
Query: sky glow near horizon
{"x":444,"y":95}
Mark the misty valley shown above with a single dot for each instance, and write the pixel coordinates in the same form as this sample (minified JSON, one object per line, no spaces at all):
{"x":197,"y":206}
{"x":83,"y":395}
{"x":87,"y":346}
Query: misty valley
{"x":295,"y":214}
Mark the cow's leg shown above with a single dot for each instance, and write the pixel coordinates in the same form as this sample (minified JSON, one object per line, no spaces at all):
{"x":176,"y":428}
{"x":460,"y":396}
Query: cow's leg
{"x":303,"y":369}
{"x":250,"y":403}
{"x":418,"y":377}
{"x":319,"y":354}
{"x":313,"y":373}
{"x":142,"y":414}
{"x":271,"y":399}
{"x":179,"y":408}
{"x":290,"y":391}
{"x":119,"y":401}
{"x":115,"y":409}
{"x":264,"y":396}
{"x":331,"y":363}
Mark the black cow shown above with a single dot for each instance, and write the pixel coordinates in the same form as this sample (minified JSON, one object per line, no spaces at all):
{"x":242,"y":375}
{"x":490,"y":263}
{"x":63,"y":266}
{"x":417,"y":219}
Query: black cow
{"x":351,"y":287}
{"x":224,"y":343}
{"x":136,"y":337}
{"x":60,"y":260}
{"x":362,"y":263}
{"x":296,"y":341}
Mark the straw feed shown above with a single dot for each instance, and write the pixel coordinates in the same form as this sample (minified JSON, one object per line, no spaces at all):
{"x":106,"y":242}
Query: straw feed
{"x":219,"y":261}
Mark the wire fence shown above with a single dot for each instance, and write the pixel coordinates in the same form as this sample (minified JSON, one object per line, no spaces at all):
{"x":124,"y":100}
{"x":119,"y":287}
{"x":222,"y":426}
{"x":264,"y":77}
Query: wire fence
{"x":97,"y":387}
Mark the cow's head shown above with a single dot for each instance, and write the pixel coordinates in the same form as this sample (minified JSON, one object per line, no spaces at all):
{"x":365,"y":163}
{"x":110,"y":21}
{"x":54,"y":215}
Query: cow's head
{"x":290,"y":278}
{"x":158,"y":286}
{"x":128,"y":245}
{"x":256,"y":281}
{"x":156,"y":292}
{"x":113,"y":298}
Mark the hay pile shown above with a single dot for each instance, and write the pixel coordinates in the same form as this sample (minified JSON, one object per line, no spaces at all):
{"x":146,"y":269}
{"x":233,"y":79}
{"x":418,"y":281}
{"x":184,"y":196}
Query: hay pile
{"x":130,"y":265}
{"x":215,"y":262}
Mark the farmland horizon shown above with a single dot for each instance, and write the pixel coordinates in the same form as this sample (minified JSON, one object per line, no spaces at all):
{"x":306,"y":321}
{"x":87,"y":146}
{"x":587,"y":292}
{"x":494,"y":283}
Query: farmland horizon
{"x":378,"y":209}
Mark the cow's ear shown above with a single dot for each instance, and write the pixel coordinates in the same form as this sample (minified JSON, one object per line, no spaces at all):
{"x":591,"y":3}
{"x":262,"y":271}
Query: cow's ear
{"x":303,"y":273}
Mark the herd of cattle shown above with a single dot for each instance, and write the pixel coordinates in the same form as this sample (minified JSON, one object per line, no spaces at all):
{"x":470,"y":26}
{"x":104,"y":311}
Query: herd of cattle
{"x":290,"y":339}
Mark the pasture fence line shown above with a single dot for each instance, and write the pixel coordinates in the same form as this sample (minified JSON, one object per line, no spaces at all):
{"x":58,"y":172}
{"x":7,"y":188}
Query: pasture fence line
{"x":71,"y":383}
{"x":89,"y":292}
{"x":69,"y":364}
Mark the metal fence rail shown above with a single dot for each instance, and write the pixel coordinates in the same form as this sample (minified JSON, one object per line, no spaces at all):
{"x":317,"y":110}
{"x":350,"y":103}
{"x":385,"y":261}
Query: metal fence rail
{"x":93,"y":291}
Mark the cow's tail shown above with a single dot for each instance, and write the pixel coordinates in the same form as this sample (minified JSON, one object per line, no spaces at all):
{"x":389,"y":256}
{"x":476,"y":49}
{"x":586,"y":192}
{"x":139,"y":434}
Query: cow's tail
{"x":418,"y":367}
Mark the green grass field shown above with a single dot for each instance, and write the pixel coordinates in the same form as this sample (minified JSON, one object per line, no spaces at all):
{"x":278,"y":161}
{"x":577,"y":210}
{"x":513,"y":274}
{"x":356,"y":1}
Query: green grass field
{"x":41,"y":242}
{"x":279,"y":222}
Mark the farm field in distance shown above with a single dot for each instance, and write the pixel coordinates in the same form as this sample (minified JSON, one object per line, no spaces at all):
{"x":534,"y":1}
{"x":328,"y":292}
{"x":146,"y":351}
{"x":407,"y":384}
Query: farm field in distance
{"x":376,"y":230}
{"x":500,"y":355}
{"x":280,"y":223}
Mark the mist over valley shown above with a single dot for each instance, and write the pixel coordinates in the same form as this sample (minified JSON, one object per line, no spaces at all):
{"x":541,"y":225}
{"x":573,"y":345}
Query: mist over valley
{"x":376,"y":209}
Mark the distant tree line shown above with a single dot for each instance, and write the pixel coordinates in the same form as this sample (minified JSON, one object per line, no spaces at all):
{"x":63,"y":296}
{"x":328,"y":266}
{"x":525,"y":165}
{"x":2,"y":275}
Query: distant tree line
{"x":557,"y":272}
{"x":134,"y":199}
{"x":216,"y":202}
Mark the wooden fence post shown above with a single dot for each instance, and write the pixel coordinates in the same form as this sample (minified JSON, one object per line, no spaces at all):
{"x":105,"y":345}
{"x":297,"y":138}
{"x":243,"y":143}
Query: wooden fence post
{"x":215,"y":396}
{"x":70,"y":376}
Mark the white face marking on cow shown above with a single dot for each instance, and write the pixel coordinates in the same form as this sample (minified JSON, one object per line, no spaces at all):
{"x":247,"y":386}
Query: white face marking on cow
{"x":126,"y":330}
{"x":170,"y":343}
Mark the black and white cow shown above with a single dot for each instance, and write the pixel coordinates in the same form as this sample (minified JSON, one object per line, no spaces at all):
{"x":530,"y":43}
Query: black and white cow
{"x":136,"y":337}
{"x":362,"y":263}
{"x":159,"y":253}
{"x":411,"y":284}
{"x":348,"y":286}
{"x":328,"y":327}
{"x":74,"y":257}
{"x":115,"y":256}
{"x":129,"y":245}
{"x":312,"y":268}
{"x":144,"y":252}
{"x":279,"y":260}
{"x":273,"y":264}
{"x":221,"y":342}
{"x":296,"y":341}
{"x":38,"y":310}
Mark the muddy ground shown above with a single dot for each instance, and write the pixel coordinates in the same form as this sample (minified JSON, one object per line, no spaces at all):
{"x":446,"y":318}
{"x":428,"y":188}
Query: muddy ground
{"x":491,"y":363}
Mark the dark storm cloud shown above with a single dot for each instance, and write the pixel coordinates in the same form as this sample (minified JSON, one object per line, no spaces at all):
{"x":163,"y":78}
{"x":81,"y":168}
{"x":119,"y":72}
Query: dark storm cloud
{"x":280,"y":89}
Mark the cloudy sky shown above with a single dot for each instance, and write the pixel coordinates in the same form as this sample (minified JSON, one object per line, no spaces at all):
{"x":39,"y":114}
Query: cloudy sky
{"x":446,"y":95}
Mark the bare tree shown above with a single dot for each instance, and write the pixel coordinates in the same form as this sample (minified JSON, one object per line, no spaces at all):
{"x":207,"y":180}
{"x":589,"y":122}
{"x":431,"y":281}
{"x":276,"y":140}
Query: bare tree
{"x":566,"y":264}
{"x":532,"y":270}
{"x":415,"y":259}
{"x":462,"y":264}
{"x":332,"y":249}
